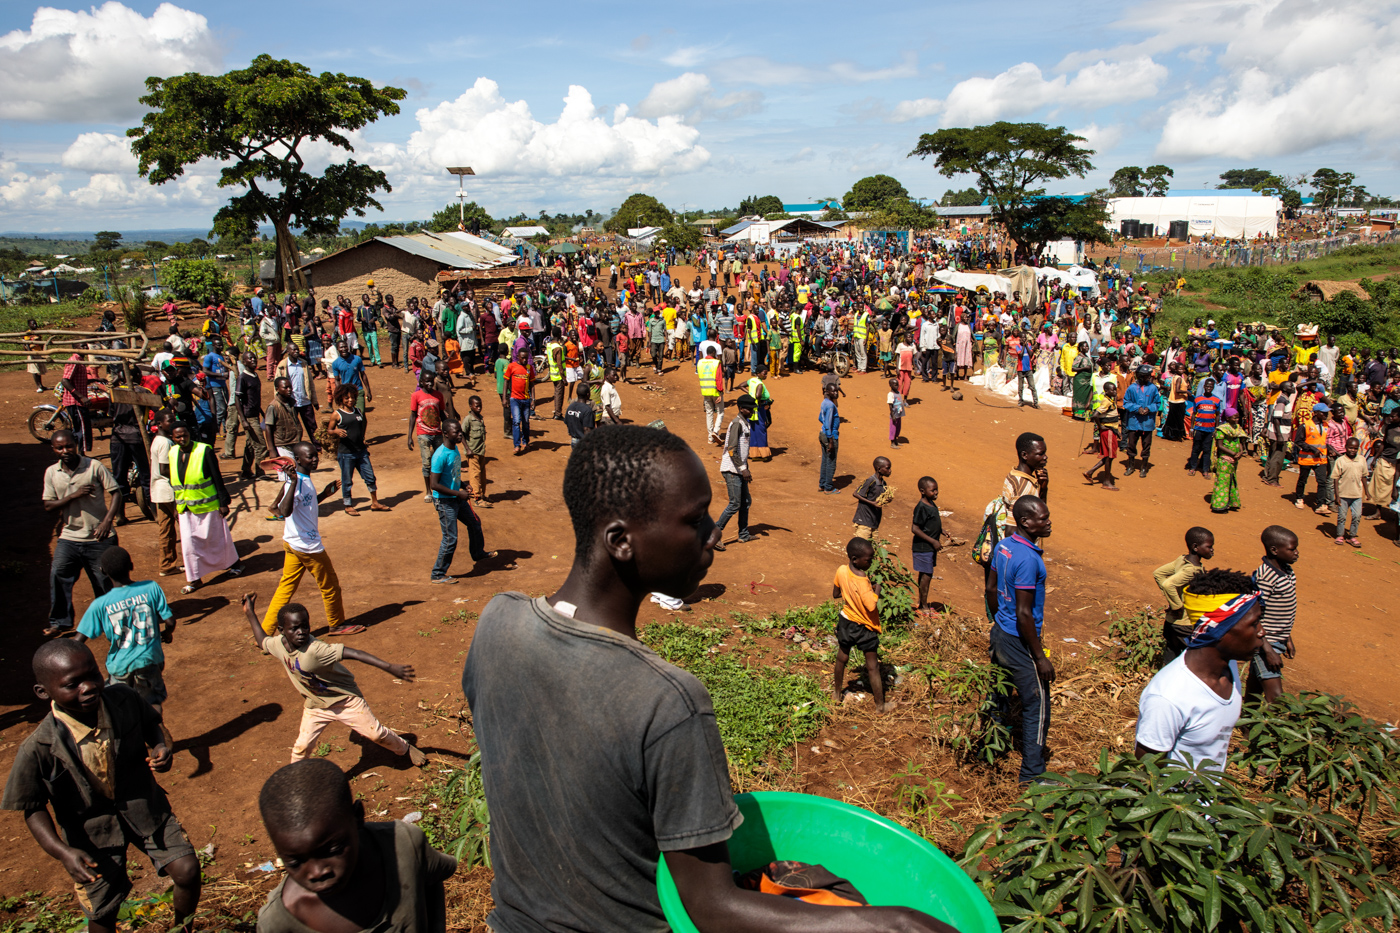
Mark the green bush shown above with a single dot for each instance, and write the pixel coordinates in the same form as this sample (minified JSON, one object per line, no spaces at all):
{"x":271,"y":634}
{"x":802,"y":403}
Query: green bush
{"x":194,"y":279}
{"x":1140,"y":637}
{"x":898,"y":595}
{"x":1319,"y":746}
{"x":759,"y":710}
{"x":967,"y":723}
{"x":1149,"y":846}
{"x":465,"y":829}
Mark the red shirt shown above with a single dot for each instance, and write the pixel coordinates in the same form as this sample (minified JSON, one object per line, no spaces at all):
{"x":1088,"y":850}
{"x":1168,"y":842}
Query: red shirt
{"x":345,"y":321}
{"x":518,"y":378}
{"x":425,"y":408}
{"x":77,"y":375}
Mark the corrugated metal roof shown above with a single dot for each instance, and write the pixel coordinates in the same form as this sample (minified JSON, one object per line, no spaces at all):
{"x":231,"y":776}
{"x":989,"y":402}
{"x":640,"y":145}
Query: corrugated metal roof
{"x":741,"y":225}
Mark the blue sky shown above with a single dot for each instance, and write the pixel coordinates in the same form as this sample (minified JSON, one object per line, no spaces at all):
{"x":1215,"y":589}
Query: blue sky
{"x":575,"y":106}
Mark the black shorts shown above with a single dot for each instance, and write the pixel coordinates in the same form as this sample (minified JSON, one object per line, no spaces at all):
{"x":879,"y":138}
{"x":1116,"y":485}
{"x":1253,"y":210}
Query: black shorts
{"x":102,"y":899}
{"x":854,"y":635}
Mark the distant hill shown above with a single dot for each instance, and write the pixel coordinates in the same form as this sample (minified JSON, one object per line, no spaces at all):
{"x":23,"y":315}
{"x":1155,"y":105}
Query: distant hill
{"x":78,"y":242}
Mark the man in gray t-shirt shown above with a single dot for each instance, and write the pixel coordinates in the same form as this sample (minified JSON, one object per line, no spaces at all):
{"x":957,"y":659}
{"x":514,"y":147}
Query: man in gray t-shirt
{"x":598,"y":757}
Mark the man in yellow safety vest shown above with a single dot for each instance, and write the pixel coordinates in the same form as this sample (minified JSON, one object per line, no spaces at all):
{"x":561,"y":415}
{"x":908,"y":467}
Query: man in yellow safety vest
{"x":711,"y":394}
{"x":859,"y":335}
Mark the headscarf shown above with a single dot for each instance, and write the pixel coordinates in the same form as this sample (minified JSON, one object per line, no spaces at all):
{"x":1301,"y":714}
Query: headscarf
{"x":1212,"y":616}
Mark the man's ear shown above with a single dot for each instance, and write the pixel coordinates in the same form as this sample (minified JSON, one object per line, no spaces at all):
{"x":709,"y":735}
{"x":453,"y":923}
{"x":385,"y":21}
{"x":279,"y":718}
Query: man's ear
{"x":617,"y":541}
{"x":41,"y":693}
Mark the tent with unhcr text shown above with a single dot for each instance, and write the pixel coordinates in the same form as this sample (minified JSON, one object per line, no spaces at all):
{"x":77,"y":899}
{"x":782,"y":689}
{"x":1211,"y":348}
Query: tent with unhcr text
{"x":1227,"y":213}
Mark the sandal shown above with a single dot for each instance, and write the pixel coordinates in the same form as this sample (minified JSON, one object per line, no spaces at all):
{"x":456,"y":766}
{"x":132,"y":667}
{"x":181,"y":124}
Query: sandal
{"x":351,"y":510}
{"x":190,"y":588}
{"x":55,"y":631}
{"x":346,"y":630}
{"x":380,"y":508}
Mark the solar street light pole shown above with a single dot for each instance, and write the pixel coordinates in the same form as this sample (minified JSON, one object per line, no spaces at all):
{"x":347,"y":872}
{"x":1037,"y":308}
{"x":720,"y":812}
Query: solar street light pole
{"x":460,"y":171}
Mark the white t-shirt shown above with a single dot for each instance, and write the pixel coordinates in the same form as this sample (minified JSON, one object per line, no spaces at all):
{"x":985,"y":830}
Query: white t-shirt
{"x":302,"y":530}
{"x":1180,"y":715}
{"x":161,"y":490}
{"x":611,"y":400}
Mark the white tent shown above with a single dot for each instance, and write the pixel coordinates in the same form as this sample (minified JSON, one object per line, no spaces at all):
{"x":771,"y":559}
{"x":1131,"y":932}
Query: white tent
{"x":1076,"y":276}
{"x":524,"y":233}
{"x":1224,"y":216}
{"x":972,"y":281}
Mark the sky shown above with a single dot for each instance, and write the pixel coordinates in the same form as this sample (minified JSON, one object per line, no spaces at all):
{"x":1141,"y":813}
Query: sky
{"x":572,"y":107}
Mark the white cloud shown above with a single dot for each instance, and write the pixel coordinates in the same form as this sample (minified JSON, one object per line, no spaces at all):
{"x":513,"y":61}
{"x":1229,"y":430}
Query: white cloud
{"x":691,"y":97}
{"x":100,"y":152}
{"x":758,"y":69}
{"x":1023,"y":89}
{"x":91,"y":66}
{"x":22,"y":192}
{"x":1100,"y":138}
{"x":1294,"y":76}
{"x":907,"y":110}
{"x":499,"y":137}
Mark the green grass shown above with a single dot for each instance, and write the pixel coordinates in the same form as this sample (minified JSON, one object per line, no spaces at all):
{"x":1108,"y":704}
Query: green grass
{"x":760,"y":710}
{"x":1230,"y":296}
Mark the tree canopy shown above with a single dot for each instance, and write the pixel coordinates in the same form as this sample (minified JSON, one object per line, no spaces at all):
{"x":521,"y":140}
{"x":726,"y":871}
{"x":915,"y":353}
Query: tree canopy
{"x":451,"y":216}
{"x":1244,"y":178}
{"x":256,"y":121}
{"x":871,"y":192}
{"x":1133,"y":182}
{"x":682,"y":236}
{"x":639,"y":210}
{"x":1331,"y":188}
{"x":968,"y":197}
{"x":1286,"y":187}
{"x":765,"y":204}
{"x":1010,"y":161}
{"x":106,"y":240}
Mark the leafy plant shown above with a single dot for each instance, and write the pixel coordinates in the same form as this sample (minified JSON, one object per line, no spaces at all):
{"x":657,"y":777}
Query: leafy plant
{"x":1155,"y":846}
{"x":466,"y":830}
{"x":759,"y":710}
{"x":921,"y":802}
{"x":194,"y":279}
{"x":39,"y":913}
{"x":134,"y":305}
{"x":1140,"y":636}
{"x":898,"y":594}
{"x":1320,"y":747}
{"x":969,"y":724}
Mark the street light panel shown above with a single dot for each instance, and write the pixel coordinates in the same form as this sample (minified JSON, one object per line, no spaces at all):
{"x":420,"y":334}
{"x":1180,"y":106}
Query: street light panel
{"x":461,"y":170}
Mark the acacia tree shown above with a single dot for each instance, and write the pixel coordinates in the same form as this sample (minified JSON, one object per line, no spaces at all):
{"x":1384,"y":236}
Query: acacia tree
{"x":872,"y":191}
{"x":1009,"y":161}
{"x":639,"y":210}
{"x":256,"y":122}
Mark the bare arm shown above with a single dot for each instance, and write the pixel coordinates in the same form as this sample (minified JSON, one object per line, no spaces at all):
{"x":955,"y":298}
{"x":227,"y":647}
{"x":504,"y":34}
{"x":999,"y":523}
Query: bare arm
{"x":51,"y":505}
{"x":250,"y":610}
{"x":76,"y":862}
{"x":435,"y":483}
{"x":919,"y":533}
{"x":1025,"y":628}
{"x":705,"y":881}
{"x":400,"y":671}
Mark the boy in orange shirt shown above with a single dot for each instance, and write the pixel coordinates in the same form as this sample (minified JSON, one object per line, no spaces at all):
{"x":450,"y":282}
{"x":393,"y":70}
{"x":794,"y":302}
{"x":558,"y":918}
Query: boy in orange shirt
{"x":858,"y":625}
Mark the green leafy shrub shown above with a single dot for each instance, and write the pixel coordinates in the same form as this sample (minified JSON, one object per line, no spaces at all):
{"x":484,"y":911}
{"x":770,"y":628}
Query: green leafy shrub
{"x":1154,"y":846}
{"x":194,"y":279}
{"x":898,"y":594}
{"x":1140,"y":637}
{"x":967,"y":723}
{"x":92,"y":296}
{"x":463,"y":824}
{"x":759,"y":710}
{"x":1321,"y":748}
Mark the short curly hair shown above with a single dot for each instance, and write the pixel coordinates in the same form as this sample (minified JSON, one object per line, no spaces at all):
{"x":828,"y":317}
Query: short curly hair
{"x":305,"y":790}
{"x":615,"y":472}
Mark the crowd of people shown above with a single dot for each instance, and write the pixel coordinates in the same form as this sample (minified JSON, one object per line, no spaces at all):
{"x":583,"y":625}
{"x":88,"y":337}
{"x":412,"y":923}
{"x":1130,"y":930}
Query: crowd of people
{"x":596,"y":754}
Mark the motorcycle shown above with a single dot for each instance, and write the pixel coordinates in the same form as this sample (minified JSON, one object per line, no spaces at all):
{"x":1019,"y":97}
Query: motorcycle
{"x":833,"y":354}
{"x":47,"y":420}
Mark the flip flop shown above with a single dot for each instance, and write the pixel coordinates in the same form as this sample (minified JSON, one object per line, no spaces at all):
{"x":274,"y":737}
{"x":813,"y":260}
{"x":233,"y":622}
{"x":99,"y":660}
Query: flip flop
{"x":190,"y":588}
{"x":351,"y":510}
{"x":346,"y":630}
{"x":380,"y":508}
{"x":55,"y":631}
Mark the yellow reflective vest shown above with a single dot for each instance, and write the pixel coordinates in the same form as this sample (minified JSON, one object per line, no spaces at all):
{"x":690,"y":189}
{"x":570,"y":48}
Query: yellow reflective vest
{"x":861,"y":327}
{"x":709,"y":377}
{"x":194,"y":492}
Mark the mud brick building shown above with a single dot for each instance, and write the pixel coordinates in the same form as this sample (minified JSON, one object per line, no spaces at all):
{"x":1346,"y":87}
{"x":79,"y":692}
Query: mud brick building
{"x":403,"y":266}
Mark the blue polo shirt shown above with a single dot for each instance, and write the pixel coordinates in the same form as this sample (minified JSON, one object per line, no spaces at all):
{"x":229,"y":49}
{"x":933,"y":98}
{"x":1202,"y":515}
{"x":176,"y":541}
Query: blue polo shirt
{"x":1139,"y":396}
{"x":831,"y":421}
{"x":349,"y":371}
{"x":1019,"y":566}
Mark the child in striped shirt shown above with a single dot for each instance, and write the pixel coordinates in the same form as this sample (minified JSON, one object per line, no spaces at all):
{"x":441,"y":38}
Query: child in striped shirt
{"x":1279,"y":587}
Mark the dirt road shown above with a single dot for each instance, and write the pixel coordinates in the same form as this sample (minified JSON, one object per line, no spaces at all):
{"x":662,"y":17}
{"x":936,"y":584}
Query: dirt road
{"x":235,"y":716}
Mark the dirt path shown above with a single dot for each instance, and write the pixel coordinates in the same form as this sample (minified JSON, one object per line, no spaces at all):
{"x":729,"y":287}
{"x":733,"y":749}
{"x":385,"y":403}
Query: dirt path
{"x":235,"y":716}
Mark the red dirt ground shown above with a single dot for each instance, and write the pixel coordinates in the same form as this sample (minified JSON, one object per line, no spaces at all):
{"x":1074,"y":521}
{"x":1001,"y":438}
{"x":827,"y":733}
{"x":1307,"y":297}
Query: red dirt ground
{"x":235,"y":716}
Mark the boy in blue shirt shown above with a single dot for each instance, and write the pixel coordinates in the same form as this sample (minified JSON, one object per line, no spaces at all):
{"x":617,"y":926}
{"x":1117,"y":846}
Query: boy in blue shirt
{"x":1016,"y":587}
{"x":134,"y":618}
{"x":1141,"y":402}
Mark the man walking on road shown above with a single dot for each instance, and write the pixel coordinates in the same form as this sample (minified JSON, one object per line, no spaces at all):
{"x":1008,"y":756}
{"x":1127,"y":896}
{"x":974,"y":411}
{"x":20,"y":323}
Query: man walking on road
{"x":711,"y":394}
{"x":734,"y":467}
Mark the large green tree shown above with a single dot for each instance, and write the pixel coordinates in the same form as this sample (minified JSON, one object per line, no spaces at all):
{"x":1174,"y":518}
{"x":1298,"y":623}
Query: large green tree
{"x":257,"y":121}
{"x":761,"y":204}
{"x":871,"y":192}
{"x":639,"y":210}
{"x":1244,"y":177}
{"x":1133,"y":182}
{"x":452,"y":215}
{"x":106,"y":240}
{"x":1010,"y":162}
{"x":967,"y":197}
{"x":1331,"y":187}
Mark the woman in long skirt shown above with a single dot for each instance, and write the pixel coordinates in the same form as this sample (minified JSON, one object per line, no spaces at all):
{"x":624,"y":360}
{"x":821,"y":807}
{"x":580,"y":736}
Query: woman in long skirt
{"x":1229,"y":448}
{"x":964,"y":349}
{"x":205,"y":540}
{"x":1083,"y":382}
{"x":761,"y":418}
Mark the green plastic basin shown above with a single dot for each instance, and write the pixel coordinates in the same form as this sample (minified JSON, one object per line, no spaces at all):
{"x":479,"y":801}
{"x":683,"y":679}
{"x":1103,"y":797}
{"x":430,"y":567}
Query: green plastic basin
{"x":887,"y":863}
